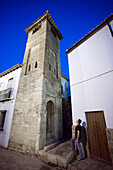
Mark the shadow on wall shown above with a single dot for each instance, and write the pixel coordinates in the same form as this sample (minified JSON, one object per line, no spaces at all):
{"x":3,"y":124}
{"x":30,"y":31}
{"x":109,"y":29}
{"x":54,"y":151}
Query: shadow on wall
{"x":67,"y":118}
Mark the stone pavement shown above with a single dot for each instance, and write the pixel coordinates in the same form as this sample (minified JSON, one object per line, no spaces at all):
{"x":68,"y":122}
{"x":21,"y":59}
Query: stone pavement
{"x":63,"y":156}
{"x":88,"y":164}
{"x":10,"y":160}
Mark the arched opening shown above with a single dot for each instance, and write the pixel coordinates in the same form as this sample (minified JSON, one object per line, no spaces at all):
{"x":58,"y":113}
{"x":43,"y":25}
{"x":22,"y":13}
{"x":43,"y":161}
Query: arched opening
{"x":36,"y":64}
{"x":50,"y":124}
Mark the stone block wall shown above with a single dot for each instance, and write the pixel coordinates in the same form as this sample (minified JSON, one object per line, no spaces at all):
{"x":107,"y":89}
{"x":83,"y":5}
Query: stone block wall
{"x":27,"y":114}
{"x":37,"y":86}
{"x":110,"y":141}
{"x":27,"y":119}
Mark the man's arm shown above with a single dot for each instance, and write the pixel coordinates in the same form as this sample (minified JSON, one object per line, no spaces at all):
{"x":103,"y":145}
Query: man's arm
{"x":78,"y":134}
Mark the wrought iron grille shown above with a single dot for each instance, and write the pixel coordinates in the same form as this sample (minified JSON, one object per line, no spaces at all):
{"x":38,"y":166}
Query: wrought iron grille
{"x":5,"y":94}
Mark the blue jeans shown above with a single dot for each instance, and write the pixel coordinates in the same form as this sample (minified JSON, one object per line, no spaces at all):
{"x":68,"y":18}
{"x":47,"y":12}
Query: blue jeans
{"x":78,"y":146}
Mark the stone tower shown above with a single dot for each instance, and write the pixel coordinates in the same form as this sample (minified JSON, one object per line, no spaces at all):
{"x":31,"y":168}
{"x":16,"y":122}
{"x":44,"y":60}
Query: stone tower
{"x":37,"y":117}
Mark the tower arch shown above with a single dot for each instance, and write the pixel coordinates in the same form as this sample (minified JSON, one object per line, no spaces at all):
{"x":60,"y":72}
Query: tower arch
{"x":50,"y":121}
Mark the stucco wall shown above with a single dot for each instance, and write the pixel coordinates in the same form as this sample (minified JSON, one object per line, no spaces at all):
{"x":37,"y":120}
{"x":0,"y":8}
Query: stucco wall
{"x":9,"y":105}
{"x":91,"y":76}
{"x":93,"y":95}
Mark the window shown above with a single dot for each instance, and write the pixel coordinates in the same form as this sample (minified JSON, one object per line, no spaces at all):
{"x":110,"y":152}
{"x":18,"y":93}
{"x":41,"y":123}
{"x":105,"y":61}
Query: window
{"x":36,"y":64}
{"x":29,"y":68}
{"x":55,"y":57}
{"x":36,"y":29}
{"x":28,"y":57}
{"x":62,"y":89}
{"x":57,"y":70}
{"x":1,"y":86}
{"x":2,"y":119}
{"x":49,"y":67}
{"x":10,"y":82}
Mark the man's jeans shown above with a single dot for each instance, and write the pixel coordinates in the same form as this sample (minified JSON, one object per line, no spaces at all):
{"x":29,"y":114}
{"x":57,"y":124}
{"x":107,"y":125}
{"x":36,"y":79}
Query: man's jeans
{"x":78,"y":146}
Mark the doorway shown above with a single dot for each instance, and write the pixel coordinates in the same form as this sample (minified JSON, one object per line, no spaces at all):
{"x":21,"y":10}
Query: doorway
{"x":97,"y":137}
{"x":50,"y":122}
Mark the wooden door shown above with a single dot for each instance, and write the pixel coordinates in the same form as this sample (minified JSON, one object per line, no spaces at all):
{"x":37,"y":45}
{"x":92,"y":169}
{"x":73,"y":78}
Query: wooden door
{"x":97,"y":136}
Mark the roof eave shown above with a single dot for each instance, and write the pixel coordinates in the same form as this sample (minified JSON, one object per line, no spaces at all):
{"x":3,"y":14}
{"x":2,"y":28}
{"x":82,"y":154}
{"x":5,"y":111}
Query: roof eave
{"x":65,"y":77}
{"x":46,"y":15}
{"x":29,"y":28}
{"x":98,"y":27}
{"x":10,"y":70}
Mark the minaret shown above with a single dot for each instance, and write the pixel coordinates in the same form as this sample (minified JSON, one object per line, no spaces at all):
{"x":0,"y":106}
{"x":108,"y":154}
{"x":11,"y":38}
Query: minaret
{"x":37,"y":119}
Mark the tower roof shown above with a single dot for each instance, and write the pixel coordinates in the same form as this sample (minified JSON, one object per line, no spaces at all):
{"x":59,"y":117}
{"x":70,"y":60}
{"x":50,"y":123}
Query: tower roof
{"x":62,"y":75}
{"x":41,"y":18}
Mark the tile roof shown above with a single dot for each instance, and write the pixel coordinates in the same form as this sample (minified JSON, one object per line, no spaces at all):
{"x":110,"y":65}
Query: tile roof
{"x":98,"y":27}
{"x":41,"y":18}
{"x":62,"y":75}
{"x":10,"y":70}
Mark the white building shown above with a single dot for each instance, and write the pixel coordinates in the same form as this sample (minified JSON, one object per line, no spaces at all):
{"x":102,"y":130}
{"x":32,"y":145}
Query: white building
{"x":91,"y":82}
{"x":8,"y":89}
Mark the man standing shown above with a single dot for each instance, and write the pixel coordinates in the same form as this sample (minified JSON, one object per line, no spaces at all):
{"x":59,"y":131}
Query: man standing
{"x":77,"y":138}
{"x":84,"y":138}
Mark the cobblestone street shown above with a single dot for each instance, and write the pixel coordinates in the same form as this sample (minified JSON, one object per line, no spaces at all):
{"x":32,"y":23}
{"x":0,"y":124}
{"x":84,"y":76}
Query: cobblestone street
{"x":10,"y":160}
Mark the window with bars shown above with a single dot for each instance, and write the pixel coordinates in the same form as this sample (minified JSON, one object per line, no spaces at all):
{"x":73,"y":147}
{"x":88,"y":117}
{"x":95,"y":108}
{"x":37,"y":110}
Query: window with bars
{"x":5,"y":94}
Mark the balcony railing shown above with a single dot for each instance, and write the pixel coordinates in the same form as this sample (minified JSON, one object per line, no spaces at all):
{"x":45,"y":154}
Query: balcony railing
{"x":5,"y":94}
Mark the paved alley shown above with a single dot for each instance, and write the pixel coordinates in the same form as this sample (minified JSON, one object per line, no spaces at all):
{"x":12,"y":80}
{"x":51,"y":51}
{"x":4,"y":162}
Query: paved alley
{"x":10,"y":160}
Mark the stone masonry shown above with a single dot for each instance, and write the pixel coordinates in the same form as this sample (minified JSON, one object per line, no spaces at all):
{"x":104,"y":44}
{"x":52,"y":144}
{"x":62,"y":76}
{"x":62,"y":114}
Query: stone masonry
{"x":110,"y":141}
{"x":37,"y":117}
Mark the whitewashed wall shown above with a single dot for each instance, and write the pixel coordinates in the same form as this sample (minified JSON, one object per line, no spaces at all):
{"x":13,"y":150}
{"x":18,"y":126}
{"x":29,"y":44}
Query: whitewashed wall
{"x":8,"y":105}
{"x":91,"y":76}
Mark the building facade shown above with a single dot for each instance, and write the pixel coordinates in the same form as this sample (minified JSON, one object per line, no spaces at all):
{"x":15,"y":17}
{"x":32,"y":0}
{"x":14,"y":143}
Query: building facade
{"x":66,"y":107}
{"x":37,"y":119}
{"x":91,"y":82}
{"x":8,"y":89}
{"x":65,"y":88}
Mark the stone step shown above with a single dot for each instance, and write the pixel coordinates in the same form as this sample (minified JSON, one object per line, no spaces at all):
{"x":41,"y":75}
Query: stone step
{"x":61,"y":155}
{"x":48,"y":147}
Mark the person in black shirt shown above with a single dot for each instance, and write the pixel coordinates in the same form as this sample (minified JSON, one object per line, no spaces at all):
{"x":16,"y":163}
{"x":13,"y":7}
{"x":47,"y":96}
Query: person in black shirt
{"x":77,"y":138}
{"x":84,"y":138}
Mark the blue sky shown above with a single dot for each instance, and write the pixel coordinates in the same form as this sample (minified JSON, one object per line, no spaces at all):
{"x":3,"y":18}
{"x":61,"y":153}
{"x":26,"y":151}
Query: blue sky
{"x":74,"y":18}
